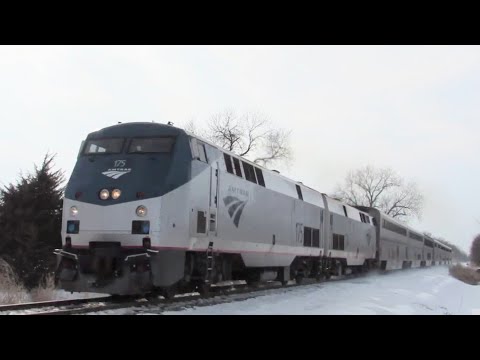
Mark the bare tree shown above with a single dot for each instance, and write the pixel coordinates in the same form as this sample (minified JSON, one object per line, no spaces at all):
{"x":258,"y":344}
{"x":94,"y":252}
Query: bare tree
{"x":251,"y":136}
{"x":191,"y":127}
{"x":382,"y":189}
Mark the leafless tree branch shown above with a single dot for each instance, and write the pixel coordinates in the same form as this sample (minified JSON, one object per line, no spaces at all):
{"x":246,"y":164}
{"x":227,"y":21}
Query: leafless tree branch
{"x":275,"y":147}
{"x":250,"y":135}
{"x":190,"y":127}
{"x":382,"y":189}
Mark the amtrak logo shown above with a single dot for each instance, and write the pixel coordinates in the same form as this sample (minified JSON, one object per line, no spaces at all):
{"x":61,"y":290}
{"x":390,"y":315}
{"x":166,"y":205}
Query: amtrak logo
{"x":118,"y":169}
{"x":116,"y":173}
{"x":235,"y":208}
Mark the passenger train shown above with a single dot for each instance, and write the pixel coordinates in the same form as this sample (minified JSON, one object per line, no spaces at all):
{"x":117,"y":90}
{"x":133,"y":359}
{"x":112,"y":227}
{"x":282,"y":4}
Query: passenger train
{"x":152,"y":208}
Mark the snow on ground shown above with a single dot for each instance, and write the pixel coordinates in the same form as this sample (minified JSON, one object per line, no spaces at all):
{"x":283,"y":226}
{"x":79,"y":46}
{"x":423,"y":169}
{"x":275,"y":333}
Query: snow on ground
{"x":66,"y":295}
{"x":25,"y":297}
{"x":428,"y":291}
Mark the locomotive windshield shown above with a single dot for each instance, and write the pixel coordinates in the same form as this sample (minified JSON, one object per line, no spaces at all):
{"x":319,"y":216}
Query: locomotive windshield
{"x":104,"y":146}
{"x":136,"y":145}
{"x":151,"y":145}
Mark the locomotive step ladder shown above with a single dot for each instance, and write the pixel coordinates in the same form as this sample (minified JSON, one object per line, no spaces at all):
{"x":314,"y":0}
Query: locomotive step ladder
{"x":209,"y":263}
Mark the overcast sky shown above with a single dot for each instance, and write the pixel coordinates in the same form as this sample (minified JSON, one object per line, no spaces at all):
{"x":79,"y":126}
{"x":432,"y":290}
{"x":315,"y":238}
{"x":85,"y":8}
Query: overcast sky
{"x":415,"y":109}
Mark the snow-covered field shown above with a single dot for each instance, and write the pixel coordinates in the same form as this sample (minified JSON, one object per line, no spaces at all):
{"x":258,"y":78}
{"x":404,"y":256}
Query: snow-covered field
{"x":25,"y":297}
{"x":428,"y":291}
{"x":416,"y":291}
{"x":65,"y":295}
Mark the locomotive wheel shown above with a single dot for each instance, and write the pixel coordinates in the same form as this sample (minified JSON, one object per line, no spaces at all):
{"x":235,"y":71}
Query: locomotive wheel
{"x":340,"y":271}
{"x":152,"y":295}
{"x":169,"y":292}
{"x":204,"y":289}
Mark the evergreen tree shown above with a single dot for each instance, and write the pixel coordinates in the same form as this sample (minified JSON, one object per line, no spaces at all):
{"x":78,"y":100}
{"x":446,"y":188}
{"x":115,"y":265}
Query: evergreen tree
{"x":30,"y":222}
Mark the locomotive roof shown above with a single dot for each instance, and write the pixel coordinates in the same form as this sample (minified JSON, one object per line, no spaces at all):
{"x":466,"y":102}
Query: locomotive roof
{"x":277,"y":174}
{"x":148,"y":128}
{"x":136,"y":129}
{"x":157,"y":129}
{"x":400,"y":223}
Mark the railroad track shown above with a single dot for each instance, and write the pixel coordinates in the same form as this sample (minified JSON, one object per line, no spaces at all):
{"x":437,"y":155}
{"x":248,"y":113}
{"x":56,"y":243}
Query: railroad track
{"x":26,"y":308}
{"x":84,"y":306}
{"x":158,"y":305}
{"x":233,"y":295}
{"x":237,"y":292}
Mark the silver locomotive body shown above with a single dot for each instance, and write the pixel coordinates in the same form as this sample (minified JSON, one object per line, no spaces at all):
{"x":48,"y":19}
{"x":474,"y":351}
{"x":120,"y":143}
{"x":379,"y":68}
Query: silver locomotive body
{"x":152,"y":207}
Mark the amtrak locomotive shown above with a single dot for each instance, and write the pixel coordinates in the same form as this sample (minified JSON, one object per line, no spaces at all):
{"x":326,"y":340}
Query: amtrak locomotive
{"x":152,"y":208}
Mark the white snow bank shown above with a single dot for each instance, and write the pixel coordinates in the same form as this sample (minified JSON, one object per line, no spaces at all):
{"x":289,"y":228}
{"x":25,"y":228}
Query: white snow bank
{"x":65,"y":295}
{"x":415,"y":291}
{"x":24,"y":297}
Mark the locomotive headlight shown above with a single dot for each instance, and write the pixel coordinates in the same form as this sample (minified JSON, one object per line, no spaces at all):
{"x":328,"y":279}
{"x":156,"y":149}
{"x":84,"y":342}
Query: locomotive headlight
{"x":104,"y":194}
{"x":73,"y":211}
{"x":116,"y":194}
{"x":141,"y":211}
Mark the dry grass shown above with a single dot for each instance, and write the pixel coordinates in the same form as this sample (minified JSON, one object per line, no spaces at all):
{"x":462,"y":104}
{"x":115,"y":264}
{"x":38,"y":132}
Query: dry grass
{"x":12,"y":290}
{"x":466,"y":274}
{"x":46,"y":290}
